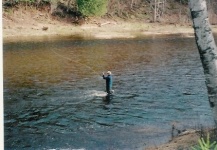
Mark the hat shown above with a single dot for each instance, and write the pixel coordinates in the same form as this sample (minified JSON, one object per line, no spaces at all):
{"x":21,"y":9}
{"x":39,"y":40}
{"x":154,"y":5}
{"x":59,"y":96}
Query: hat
{"x":109,"y":72}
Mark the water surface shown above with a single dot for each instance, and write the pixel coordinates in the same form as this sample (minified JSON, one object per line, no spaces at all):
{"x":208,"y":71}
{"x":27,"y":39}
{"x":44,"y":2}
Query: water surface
{"x":54,"y":94}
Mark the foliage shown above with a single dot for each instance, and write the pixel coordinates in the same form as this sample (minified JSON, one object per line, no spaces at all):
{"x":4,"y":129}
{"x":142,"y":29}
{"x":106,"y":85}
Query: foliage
{"x":184,"y":2}
{"x":13,"y":3}
{"x":92,"y":7}
{"x":205,"y":145}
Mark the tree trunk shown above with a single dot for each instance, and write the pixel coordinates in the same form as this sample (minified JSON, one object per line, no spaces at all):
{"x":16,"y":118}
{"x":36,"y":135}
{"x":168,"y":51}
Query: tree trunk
{"x":207,"y":49}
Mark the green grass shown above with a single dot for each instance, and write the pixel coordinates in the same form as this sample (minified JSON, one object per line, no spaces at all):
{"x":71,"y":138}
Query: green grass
{"x":205,"y":145}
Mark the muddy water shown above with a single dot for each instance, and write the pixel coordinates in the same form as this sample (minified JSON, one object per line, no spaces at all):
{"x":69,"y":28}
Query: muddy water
{"x":54,"y":94}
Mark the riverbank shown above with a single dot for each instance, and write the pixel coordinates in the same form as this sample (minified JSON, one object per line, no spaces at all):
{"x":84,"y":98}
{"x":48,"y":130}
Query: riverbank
{"x":104,"y":30}
{"x":32,"y":25}
{"x":184,"y":141}
{"x":110,"y":30}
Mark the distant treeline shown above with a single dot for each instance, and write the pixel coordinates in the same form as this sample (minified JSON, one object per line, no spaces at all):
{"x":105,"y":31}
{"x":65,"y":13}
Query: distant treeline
{"x":125,"y":9}
{"x":112,"y":6}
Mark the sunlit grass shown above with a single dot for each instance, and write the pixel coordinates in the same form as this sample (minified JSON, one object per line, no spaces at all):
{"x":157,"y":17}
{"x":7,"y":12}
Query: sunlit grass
{"x":205,"y":145}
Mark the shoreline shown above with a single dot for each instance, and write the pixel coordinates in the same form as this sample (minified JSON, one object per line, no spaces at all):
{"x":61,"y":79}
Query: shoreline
{"x":123,"y":30}
{"x":91,"y":31}
{"x":35,"y":25}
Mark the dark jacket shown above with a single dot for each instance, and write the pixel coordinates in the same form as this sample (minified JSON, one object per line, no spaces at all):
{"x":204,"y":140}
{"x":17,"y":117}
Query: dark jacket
{"x":108,"y":83}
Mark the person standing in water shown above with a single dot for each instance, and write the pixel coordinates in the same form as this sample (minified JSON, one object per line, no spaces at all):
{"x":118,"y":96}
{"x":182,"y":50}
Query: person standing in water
{"x":108,"y":79}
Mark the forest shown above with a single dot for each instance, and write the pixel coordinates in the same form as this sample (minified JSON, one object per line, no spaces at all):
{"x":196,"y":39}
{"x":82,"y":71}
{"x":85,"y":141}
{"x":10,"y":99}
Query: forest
{"x":79,"y":11}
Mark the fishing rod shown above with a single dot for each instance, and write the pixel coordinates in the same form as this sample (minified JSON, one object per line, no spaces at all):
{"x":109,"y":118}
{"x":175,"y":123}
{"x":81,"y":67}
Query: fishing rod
{"x":75,"y":62}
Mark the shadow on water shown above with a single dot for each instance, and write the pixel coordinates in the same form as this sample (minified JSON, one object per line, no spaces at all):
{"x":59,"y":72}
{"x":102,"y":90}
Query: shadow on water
{"x":107,"y":99}
{"x":45,"y":38}
{"x":54,"y":94}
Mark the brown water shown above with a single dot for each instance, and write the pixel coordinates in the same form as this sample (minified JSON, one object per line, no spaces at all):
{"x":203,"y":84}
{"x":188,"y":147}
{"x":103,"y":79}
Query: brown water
{"x":54,"y":94}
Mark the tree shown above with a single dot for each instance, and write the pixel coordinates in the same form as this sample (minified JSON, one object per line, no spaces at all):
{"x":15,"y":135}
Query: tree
{"x":207,"y":49}
{"x":92,"y":7}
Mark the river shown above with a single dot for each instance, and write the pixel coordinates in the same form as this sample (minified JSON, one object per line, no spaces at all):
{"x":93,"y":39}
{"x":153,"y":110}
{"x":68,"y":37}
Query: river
{"x":54,"y":94}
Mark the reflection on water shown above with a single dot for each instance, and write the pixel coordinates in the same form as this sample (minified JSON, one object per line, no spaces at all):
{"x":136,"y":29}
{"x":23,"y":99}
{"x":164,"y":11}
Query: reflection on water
{"x":54,"y":93}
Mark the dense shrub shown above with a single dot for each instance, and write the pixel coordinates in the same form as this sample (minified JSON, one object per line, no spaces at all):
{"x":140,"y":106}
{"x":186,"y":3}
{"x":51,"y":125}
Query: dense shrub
{"x":92,"y":7}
